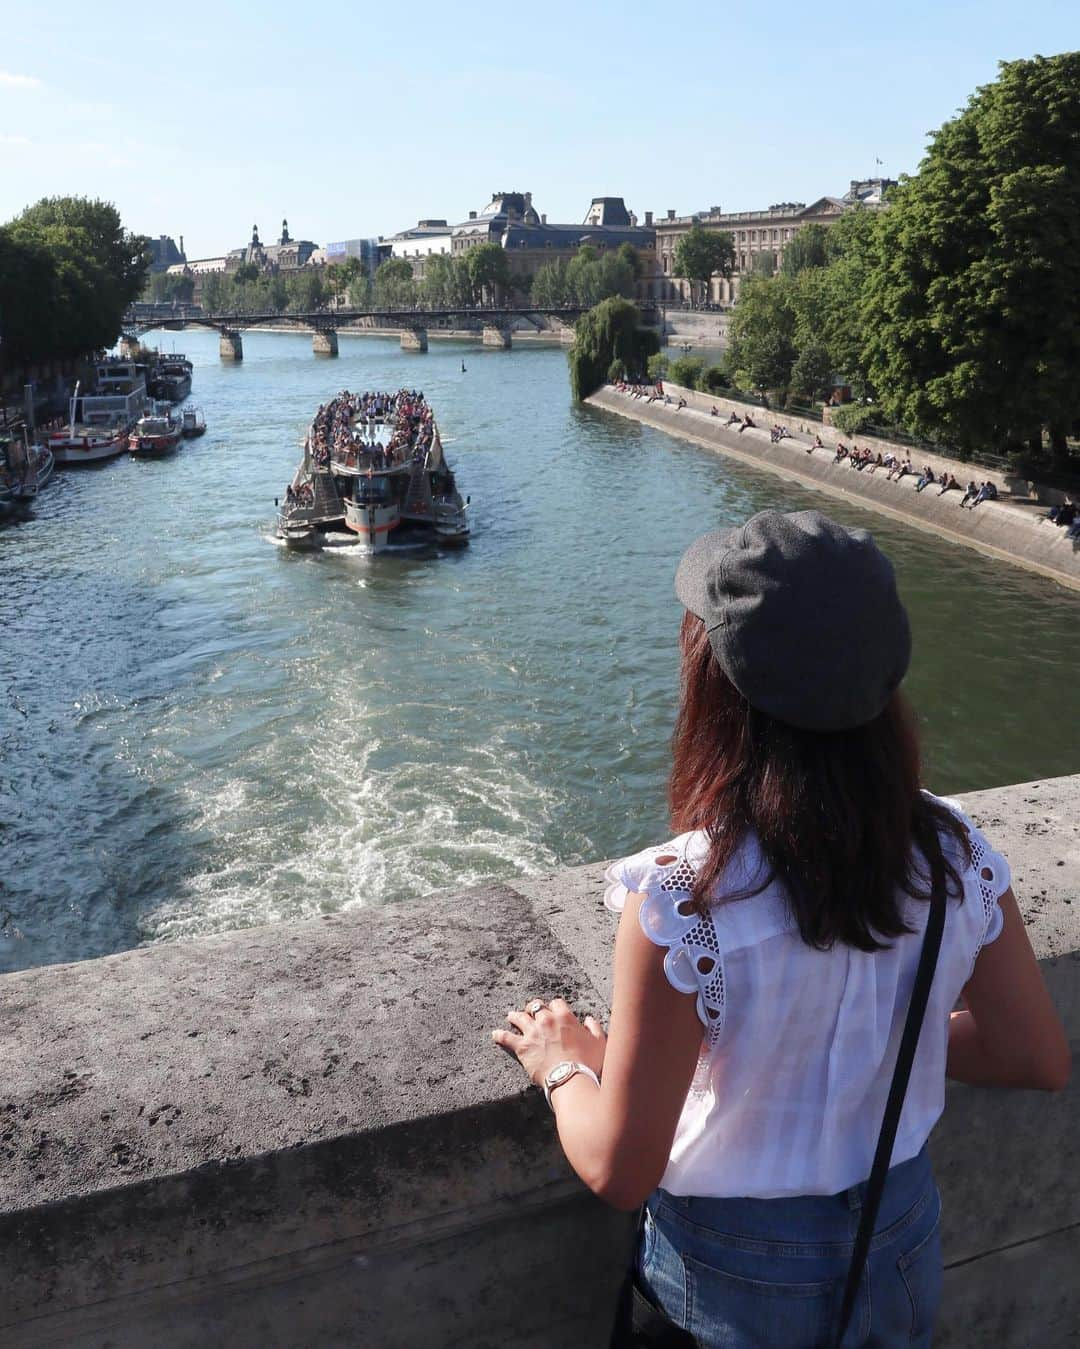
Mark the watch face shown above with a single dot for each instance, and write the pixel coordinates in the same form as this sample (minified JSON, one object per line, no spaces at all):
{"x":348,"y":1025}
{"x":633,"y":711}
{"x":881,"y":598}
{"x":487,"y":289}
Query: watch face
{"x":560,"y":1073}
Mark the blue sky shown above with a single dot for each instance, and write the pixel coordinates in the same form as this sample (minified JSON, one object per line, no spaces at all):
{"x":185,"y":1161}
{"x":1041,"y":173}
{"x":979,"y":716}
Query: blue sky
{"x":357,"y":119}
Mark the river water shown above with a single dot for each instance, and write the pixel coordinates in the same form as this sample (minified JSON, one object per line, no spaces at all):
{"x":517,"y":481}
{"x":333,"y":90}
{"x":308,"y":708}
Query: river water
{"x":200,"y":731}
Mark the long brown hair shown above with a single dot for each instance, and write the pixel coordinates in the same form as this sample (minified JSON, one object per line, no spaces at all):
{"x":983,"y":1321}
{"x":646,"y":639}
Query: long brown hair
{"x":835,"y":813}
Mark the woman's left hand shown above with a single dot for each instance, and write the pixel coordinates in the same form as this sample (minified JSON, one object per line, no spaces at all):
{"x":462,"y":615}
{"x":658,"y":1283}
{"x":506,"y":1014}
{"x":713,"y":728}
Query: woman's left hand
{"x":549,"y":1032}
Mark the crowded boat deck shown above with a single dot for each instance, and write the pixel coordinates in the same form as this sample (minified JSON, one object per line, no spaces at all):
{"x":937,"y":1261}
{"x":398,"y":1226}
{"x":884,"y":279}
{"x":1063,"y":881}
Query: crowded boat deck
{"x":373,"y":465}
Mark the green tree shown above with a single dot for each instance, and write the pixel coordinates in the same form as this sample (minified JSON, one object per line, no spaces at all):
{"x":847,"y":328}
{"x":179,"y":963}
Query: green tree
{"x":550,"y":288}
{"x":809,"y":248}
{"x":394,"y":285}
{"x":811,"y":374}
{"x":609,"y":332}
{"x":99,"y":267}
{"x":305,"y":291}
{"x":702,"y":254}
{"x":246,"y":273}
{"x":629,"y":254}
{"x":763,"y":263}
{"x":687,"y":370}
{"x":762,"y":333}
{"x":973,"y":301}
{"x":31,"y":317}
{"x":488,"y":272}
{"x":215,"y":290}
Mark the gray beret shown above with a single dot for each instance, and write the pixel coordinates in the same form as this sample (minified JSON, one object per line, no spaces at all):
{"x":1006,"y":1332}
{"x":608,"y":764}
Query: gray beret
{"x":803,"y":615}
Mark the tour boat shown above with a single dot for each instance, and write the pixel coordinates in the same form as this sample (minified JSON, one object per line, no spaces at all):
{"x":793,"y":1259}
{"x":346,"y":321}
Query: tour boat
{"x":155,"y":435}
{"x":385,"y":478}
{"x":192,"y":423}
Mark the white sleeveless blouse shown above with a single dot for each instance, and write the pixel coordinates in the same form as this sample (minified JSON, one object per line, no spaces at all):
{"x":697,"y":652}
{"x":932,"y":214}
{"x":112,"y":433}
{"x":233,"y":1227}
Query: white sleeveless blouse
{"x":800,"y":1044}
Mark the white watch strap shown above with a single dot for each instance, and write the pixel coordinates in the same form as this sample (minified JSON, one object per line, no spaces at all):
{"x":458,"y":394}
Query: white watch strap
{"x":575,"y":1069}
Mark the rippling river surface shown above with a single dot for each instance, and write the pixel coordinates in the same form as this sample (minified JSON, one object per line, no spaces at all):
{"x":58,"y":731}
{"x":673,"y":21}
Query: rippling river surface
{"x":200,"y":731}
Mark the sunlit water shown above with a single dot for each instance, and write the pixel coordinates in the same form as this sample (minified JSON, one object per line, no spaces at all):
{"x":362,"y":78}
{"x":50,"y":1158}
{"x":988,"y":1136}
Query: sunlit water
{"x":201,"y":731}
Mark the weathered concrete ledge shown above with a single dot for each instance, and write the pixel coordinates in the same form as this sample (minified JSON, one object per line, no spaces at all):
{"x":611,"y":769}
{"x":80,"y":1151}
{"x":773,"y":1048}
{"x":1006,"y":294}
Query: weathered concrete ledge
{"x":1013,"y":532}
{"x":301,"y":1135}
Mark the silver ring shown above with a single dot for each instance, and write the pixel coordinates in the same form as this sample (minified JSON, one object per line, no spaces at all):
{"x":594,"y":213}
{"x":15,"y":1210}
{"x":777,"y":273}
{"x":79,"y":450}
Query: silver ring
{"x":534,"y":1007}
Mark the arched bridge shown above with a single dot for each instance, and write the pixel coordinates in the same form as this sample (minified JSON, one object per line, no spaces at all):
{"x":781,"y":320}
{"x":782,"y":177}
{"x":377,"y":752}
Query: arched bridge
{"x":494,"y":322}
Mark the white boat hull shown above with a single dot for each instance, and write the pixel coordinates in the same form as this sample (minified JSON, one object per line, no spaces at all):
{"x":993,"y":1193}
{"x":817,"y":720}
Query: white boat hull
{"x":87,"y":449}
{"x":373,"y":523}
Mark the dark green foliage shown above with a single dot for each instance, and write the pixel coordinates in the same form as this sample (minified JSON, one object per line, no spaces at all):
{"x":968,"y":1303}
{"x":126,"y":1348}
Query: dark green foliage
{"x":68,"y":270}
{"x":658,"y":366}
{"x":488,"y":272}
{"x":686,"y":371}
{"x":394,"y":285}
{"x":714,"y":380}
{"x":607,"y":333}
{"x":809,"y":248}
{"x":586,"y":279}
{"x":812,"y":375}
{"x":976,"y":283}
{"x":854,"y":417}
{"x":763,"y":263}
{"x":701,"y":254}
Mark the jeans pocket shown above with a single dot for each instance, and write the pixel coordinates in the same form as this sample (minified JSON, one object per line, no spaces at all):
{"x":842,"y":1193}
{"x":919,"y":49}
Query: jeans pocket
{"x":922,"y":1273}
{"x":744,"y":1313}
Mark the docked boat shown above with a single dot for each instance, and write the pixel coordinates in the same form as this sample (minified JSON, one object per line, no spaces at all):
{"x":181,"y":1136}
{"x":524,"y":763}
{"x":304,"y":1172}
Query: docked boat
{"x":170,"y":379}
{"x":155,"y":435}
{"x":192,"y":423}
{"x":97,"y":426}
{"x":374,"y":463}
{"x":24,"y":471}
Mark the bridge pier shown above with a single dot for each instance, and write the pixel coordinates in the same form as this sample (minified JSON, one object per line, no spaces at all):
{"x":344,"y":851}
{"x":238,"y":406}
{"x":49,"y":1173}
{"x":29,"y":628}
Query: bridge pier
{"x":231,"y":347}
{"x":414,"y":339}
{"x":324,"y":342}
{"x":497,"y":335}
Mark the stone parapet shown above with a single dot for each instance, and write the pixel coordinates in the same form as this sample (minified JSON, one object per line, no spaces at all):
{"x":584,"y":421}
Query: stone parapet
{"x":1013,"y":532}
{"x":301,"y":1134}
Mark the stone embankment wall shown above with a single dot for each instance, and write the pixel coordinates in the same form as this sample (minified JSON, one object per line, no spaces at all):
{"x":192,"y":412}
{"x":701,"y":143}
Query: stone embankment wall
{"x":1012,"y":529}
{"x":302,"y":1135}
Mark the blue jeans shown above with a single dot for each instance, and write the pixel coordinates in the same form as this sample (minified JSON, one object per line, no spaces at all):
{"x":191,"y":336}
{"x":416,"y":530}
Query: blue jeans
{"x":769,"y":1273}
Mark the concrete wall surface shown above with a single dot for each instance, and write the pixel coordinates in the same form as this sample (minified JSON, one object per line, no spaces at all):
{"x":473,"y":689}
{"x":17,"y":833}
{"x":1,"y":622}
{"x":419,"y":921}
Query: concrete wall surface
{"x":1015,"y":533}
{"x":301,"y":1135}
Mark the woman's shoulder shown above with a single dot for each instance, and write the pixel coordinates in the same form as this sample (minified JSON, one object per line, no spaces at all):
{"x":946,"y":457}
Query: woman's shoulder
{"x":668,"y":865}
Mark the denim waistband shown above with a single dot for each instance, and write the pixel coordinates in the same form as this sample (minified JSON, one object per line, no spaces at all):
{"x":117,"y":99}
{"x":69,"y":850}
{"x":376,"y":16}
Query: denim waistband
{"x":829,"y":1216}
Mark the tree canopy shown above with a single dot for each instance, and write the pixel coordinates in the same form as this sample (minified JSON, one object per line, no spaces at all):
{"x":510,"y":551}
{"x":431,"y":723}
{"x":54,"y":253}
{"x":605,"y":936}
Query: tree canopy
{"x":809,"y":248}
{"x":609,"y":338}
{"x":701,"y":254}
{"x":976,"y":279}
{"x":68,"y":271}
{"x":488,"y":272}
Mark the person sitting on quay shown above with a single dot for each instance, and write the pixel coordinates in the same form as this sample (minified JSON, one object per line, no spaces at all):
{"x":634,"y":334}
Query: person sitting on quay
{"x":926,"y":477}
{"x":904,"y":469}
{"x":748,"y":421}
{"x":970,"y":494}
{"x":987,"y":492}
{"x":733,"y":417}
{"x":1064,"y":514}
{"x":841,"y":452}
{"x":948,"y":482}
{"x":715,"y":411}
{"x":818,"y":444}
{"x":878,"y":463}
{"x":681,"y":405}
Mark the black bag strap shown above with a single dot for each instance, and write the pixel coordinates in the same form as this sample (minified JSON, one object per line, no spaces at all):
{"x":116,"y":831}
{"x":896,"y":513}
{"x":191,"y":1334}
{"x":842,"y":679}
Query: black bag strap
{"x":920,"y":993}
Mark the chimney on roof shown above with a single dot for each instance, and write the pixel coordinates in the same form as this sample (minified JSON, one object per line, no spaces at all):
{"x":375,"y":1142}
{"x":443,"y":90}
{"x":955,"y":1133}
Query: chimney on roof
{"x":472,"y":215}
{"x":671,"y":214}
{"x":543,"y":219}
{"x":648,"y":219}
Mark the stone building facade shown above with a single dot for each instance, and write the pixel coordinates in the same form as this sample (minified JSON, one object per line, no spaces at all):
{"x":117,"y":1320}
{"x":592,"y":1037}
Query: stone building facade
{"x":287,"y":255}
{"x":754,"y":232}
{"x":511,"y":222}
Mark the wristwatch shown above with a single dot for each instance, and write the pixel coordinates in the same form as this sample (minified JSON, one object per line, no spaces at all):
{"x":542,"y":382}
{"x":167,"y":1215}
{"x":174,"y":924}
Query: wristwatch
{"x":563,"y":1072}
